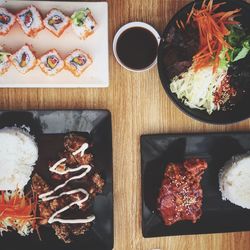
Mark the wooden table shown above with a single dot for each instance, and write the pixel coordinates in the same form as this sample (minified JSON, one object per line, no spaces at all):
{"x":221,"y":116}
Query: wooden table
{"x":138,"y":105}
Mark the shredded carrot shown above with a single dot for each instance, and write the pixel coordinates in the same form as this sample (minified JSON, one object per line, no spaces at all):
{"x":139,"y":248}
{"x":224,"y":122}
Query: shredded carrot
{"x":212,"y":27}
{"x":17,"y":206}
{"x":190,"y":15}
{"x":177,"y":24}
{"x":38,"y":233}
{"x":216,"y":6}
{"x":182,"y":25}
{"x":34,"y":208}
{"x":210,"y":5}
{"x":203,"y":4}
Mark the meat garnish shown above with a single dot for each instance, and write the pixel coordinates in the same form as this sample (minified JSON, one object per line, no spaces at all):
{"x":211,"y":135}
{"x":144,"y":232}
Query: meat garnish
{"x":65,"y":231}
{"x":72,"y":142}
{"x":180,"y":196}
{"x":39,"y":185}
{"x":73,"y":197}
{"x":99,"y":183}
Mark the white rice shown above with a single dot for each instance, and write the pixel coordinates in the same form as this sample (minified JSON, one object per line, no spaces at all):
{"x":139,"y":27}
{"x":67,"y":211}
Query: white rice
{"x":234,"y":180}
{"x":18,"y":154}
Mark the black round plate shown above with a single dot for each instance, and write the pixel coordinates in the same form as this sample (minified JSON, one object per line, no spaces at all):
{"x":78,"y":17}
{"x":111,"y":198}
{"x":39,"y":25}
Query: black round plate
{"x":240,"y":111}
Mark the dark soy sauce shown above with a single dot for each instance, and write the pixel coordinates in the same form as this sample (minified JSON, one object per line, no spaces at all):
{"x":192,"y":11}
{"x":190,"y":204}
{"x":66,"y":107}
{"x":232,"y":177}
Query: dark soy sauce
{"x":137,"y":48}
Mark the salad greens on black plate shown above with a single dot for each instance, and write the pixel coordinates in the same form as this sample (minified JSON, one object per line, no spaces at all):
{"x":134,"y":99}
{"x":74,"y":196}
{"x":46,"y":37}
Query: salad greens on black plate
{"x":204,"y":52}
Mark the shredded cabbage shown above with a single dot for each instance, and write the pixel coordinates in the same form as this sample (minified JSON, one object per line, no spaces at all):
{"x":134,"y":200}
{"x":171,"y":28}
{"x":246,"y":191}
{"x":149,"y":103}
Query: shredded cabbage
{"x":196,"y":89}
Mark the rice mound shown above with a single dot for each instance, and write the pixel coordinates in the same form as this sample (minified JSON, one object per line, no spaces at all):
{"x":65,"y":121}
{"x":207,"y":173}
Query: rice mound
{"x":18,"y":154}
{"x":234,"y":181}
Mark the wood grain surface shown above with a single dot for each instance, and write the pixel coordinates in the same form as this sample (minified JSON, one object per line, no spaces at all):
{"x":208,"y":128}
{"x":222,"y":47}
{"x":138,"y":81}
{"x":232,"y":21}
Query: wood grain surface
{"x":138,"y":105}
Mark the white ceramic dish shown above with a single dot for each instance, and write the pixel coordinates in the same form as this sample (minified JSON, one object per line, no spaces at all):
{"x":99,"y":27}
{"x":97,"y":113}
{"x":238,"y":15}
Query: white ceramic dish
{"x":132,"y":25}
{"x":97,"y":75}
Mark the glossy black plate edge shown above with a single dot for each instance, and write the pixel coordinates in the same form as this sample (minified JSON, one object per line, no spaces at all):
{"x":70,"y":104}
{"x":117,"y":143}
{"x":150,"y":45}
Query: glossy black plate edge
{"x":177,"y":103}
{"x":187,"y":134}
{"x":144,"y":234}
{"x":108,"y":116}
{"x":143,"y":205}
{"x":110,"y":242}
{"x":53,"y":109}
{"x":110,"y":245}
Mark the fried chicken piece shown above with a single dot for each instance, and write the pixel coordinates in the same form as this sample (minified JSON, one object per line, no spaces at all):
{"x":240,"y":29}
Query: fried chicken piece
{"x":45,"y":213}
{"x":39,"y":185}
{"x":62,"y":231}
{"x":72,"y":142}
{"x":80,"y":229}
{"x":86,"y":159}
{"x":99,"y":183}
{"x":72,"y":160}
{"x":92,"y":182}
{"x":55,"y":204}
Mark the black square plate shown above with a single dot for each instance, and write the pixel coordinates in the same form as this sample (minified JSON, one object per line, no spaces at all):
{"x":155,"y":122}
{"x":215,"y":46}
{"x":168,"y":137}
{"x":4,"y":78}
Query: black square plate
{"x":218,"y":215}
{"x":49,"y":128}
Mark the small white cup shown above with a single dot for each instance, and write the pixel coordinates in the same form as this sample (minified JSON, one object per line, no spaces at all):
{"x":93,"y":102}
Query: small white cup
{"x":133,"y":25}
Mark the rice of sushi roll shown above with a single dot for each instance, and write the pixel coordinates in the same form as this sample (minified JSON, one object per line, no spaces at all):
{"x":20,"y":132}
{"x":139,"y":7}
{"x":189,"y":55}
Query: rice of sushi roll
{"x":30,"y":21}
{"x":7,"y":20}
{"x":51,"y":63}
{"x":83,"y":23}
{"x":4,"y":62}
{"x":56,"y":22}
{"x":77,"y":62}
{"x":24,"y":59}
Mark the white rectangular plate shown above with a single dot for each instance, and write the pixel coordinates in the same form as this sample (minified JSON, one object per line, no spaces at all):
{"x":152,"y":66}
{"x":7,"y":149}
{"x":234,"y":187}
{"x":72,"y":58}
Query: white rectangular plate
{"x":97,"y":75}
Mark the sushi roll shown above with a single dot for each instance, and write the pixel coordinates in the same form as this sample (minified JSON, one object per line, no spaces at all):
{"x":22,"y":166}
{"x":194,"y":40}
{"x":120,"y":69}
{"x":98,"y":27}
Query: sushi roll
{"x":77,"y":62}
{"x":56,"y":22}
{"x":51,"y":63}
{"x":30,"y":21}
{"x":7,"y":20}
{"x":24,"y":59}
{"x":83,"y":23}
{"x":4,"y":62}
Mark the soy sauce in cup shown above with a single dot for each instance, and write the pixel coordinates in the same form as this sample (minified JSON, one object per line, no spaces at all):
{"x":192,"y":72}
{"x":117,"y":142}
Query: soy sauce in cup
{"x":135,"y":46}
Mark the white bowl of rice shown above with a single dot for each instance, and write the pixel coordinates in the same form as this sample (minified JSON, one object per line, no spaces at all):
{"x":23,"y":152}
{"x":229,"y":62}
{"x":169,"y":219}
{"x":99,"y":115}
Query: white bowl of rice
{"x":18,"y":154}
{"x":234,"y":181}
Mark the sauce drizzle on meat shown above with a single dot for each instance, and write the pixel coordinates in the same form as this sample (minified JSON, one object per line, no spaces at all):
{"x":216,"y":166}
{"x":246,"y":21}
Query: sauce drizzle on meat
{"x":48,"y":196}
{"x":180,"y":196}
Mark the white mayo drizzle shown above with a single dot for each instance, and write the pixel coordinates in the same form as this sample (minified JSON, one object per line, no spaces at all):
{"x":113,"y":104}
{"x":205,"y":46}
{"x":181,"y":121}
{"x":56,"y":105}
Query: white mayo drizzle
{"x":81,"y":149}
{"x":49,"y":195}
